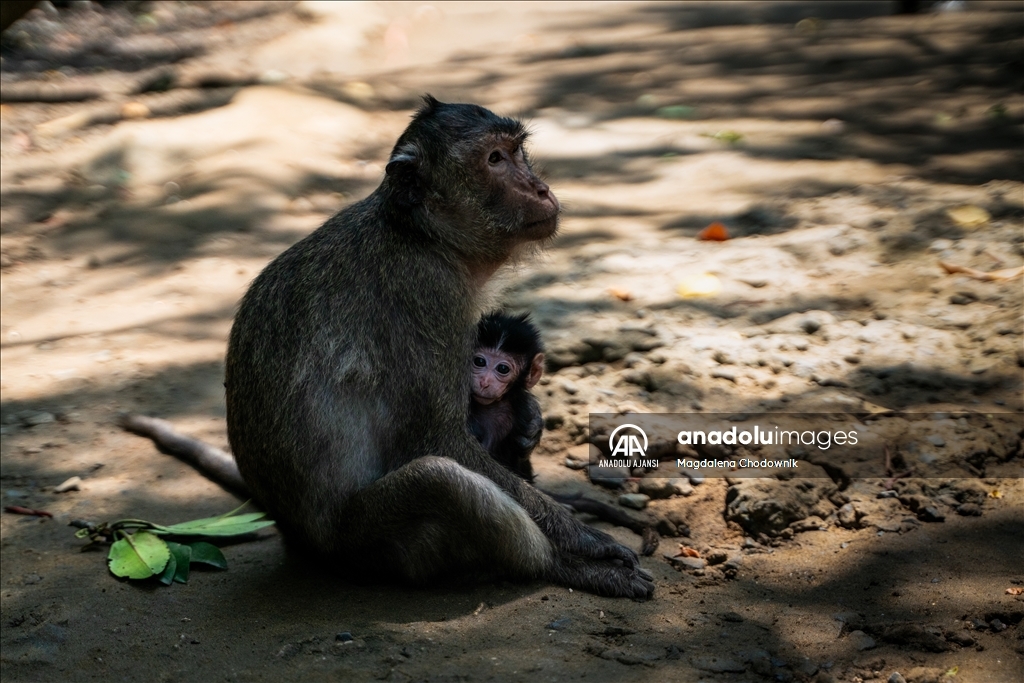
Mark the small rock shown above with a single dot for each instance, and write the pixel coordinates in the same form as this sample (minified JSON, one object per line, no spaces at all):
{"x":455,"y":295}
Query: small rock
{"x":723,"y":374}
{"x":897,"y":677}
{"x":963,"y":298}
{"x":936,"y":440}
{"x":574,"y":464}
{"x":847,"y":516}
{"x":36,"y":419}
{"x":344,"y":637}
{"x":570,"y":388}
{"x":888,"y":493}
{"x":637,"y":501}
{"x":72,"y":484}
{"x":862,"y":641}
{"x":31,"y":579}
{"x":969,"y":510}
{"x":664,"y":487}
{"x":733,"y":617}
{"x":961,"y":638}
{"x":717,"y":557}
{"x":559,"y":624}
{"x":997,"y":626}
{"x":690,"y":563}
{"x":930,"y":514}
{"x":979,"y":624}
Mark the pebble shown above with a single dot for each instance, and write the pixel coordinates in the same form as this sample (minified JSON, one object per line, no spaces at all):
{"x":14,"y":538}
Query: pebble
{"x":637,"y":501}
{"x":936,"y":440}
{"x":724,"y":374}
{"x":72,"y":484}
{"x":861,"y":640}
{"x":997,"y":626}
{"x":847,"y":516}
{"x":897,"y":677}
{"x":716,"y":556}
{"x":733,"y":617}
{"x":969,"y":510}
{"x":559,"y":624}
{"x":570,"y":388}
{"x":41,"y":418}
{"x":930,"y":514}
{"x":344,"y":637}
{"x":889,"y":493}
{"x":691,"y":563}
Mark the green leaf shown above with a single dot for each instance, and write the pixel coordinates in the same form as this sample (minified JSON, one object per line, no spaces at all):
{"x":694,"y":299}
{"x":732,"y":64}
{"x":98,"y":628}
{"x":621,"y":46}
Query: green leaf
{"x":182,"y":554}
{"x":167,"y":576}
{"x":138,"y":556}
{"x":205,"y":553}
{"x":677,"y":111}
{"x":223,"y":525}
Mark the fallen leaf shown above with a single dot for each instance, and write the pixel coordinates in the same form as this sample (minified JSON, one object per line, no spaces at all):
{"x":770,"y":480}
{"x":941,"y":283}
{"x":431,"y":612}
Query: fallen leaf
{"x":994,"y":276}
{"x":687,"y":551}
{"x":697,"y":286}
{"x":995,"y":493}
{"x":134,"y":110}
{"x":1016,"y":590}
{"x":969,"y":216}
{"x":716,"y":232}
{"x":621,"y":294}
{"x":677,"y":111}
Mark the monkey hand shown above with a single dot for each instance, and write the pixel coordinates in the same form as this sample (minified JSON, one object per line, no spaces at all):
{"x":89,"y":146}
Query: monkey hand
{"x":528,"y":439}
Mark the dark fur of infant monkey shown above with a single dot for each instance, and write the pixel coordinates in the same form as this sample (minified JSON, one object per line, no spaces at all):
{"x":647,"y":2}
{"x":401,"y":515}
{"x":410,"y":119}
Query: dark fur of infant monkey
{"x":504,"y":416}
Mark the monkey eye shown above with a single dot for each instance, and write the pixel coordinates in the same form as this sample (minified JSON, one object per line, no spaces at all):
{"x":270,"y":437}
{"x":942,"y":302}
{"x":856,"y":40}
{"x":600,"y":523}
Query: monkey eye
{"x":495,"y":157}
{"x":480,"y":361}
{"x":503,"y":368}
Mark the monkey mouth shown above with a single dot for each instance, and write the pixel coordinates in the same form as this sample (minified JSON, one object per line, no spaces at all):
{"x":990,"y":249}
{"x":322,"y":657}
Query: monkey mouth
{"x":545,"y":227}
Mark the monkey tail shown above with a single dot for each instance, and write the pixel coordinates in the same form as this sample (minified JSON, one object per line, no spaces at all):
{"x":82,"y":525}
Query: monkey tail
{"x":211,"y":462}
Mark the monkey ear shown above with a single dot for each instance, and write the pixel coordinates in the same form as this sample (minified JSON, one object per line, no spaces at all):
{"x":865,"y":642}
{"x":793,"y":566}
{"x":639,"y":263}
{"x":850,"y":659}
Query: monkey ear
{"x":402,"y":163}
{"x":535,"y":371}
{"x":403,"y":168}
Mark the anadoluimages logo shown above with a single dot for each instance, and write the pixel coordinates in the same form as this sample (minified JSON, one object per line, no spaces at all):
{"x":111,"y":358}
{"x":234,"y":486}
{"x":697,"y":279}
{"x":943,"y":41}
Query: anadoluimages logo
{"x":627,"y":445}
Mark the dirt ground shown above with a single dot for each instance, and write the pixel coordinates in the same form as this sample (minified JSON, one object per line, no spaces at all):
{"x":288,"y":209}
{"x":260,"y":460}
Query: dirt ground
{"x":847,"y":151}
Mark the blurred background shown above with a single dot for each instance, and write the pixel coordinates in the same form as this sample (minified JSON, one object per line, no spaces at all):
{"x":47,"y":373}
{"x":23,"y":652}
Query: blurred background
{"x":769,"y":206}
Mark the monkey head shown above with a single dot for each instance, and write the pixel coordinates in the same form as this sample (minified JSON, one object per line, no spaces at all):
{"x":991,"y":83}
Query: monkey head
{"x":508,"y":354}
{"x":461,"y":174}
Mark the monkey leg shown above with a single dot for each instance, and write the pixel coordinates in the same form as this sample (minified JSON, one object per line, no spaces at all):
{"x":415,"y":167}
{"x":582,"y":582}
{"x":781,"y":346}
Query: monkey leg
{"x":433,"y":517}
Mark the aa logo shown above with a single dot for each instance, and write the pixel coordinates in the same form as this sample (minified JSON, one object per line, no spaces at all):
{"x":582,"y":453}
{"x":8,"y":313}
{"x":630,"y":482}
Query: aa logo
{"x":627,"y":444}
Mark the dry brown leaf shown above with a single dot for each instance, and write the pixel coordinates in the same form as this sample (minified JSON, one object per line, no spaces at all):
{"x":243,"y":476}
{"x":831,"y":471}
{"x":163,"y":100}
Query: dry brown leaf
{"x":969,"y":216}
{"x":621,"y":294}
{"x":687,"y":551}
{"x":995,"y":493}
{"x":1016,"y":590}
{"x":994,"y":276}
{"x":716,"y":232}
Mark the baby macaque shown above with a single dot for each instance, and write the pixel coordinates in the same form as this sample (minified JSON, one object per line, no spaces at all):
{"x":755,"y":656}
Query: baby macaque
{"x":504,"y":416}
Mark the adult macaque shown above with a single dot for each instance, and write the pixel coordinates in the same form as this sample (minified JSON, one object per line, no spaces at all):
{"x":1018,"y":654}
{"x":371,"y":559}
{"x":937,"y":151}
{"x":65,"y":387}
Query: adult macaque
{"x":348,"y":372}
{"x":504,"y":416}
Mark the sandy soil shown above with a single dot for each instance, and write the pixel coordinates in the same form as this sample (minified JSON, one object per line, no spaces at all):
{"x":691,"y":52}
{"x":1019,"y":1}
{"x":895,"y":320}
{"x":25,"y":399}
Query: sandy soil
{"x":837,"y":144}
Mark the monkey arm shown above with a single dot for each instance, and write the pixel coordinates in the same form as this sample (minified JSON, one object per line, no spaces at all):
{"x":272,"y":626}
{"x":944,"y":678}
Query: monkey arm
{"x":527,"y":427}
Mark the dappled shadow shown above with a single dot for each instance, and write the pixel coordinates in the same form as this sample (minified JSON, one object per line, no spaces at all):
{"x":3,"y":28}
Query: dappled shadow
{"x":902,"y":96}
